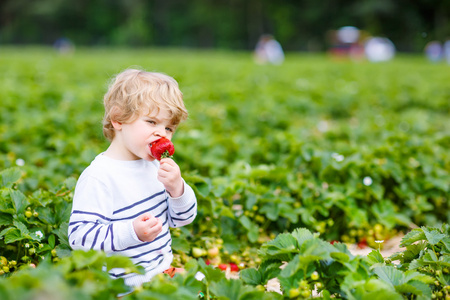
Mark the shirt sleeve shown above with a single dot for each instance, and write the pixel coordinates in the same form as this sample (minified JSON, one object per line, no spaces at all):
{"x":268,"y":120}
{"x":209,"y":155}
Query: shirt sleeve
{"x":182,"y":210}
{"x":91,"y":225}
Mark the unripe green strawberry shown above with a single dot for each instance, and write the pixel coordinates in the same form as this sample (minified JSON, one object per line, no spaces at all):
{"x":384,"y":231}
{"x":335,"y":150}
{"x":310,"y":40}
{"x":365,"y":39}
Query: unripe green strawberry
{"x":294,"y":293}
{"x":315,"y":275}
{"x":198,"y":252}
{"x":162,"y":148}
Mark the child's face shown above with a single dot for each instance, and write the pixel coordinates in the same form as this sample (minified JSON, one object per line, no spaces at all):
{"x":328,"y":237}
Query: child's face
{"x":137,"y":137}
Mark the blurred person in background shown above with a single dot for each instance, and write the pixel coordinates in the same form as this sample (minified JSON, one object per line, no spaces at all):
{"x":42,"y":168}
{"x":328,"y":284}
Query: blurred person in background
{"x":346,"y":42}
{"x":379,"y":49}
{"x":268,"y":50}
{"x":64,"y":46}
{"x":434,"y":51}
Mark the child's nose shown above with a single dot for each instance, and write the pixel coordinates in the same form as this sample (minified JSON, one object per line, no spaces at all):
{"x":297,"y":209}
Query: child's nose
{"x":161,"y":131}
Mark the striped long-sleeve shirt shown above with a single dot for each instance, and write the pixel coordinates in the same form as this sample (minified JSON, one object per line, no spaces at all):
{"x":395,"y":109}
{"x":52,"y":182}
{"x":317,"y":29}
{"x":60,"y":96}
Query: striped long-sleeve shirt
{"x":109,"y":195}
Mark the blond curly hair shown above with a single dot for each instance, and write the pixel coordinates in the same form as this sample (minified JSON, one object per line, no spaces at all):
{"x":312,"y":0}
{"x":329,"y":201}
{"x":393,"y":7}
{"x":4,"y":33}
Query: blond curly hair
{"x":133,"y":93}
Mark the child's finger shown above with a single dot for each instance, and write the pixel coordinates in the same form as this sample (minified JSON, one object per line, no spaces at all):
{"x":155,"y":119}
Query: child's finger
{"x":145,"y":217}
{"x":155,"y":228}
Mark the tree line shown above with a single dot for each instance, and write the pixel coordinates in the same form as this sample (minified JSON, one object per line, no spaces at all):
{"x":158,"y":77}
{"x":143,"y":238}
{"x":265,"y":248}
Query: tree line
{"x":230,"y":24}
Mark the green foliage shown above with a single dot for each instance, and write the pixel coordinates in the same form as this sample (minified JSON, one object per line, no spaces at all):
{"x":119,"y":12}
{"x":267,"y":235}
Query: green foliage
{"x":30,"y":224}
{"x":309,"y":263}
{"x":353,"y":151}
{"x":310,"y":266}
{"x":79,"y":276}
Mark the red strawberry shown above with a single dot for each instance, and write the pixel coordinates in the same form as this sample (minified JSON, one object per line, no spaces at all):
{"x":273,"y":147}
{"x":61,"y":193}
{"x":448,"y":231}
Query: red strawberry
{"x":223,"y":267}
{"x":362,"y":244}
{"x":162,"y":148}
{"x":234,"y":267}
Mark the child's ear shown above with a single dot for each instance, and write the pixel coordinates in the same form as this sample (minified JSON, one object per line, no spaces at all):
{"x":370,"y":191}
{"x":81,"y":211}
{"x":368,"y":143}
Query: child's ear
{"x":115,"y":113}
{"x":116,"y":125}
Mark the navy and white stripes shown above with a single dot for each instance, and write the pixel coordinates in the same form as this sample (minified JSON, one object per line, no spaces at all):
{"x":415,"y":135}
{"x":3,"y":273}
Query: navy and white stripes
{"x":109,"y":196}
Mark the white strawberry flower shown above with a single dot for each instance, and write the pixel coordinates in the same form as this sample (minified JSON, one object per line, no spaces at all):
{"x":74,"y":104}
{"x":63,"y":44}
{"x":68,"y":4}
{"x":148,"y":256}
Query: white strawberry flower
{"x":199,"y":276}
{"x":367,"y":181}
{"x":337,"y":157}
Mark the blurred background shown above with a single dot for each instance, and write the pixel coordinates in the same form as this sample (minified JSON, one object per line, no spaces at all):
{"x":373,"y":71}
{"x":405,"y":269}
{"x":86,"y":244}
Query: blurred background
{"x":232,"y":24}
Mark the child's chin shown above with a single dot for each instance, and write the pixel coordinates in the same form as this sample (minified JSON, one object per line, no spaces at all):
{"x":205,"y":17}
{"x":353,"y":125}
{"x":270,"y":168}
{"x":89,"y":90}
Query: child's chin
{"x":149,"y":158}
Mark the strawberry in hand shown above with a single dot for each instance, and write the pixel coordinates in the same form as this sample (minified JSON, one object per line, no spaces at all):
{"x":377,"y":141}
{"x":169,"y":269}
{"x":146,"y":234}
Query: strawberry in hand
{"x":162,"y":148}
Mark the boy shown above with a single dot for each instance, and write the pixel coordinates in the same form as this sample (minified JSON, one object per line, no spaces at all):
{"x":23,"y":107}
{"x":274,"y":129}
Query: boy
{"x":125,"y":201}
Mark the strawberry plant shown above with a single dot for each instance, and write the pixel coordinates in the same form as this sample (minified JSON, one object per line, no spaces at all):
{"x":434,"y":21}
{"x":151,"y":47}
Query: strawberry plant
{"x":82,"y":275}
{"x":428,"y":254}
{"x":304,"y":264}
{"x":357,"y":152}
{"x":32,"y":228}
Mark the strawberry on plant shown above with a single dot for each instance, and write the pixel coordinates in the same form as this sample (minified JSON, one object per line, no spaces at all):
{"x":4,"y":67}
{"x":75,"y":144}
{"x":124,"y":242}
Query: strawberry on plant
{"x":198,"y":252}
{"x":213,"y":252}
{"x":362,"y":244}
{"x":162,"y":148}
{"x":234,"y":267}
{"x":223,"y":267}
{"x":294,"y":293}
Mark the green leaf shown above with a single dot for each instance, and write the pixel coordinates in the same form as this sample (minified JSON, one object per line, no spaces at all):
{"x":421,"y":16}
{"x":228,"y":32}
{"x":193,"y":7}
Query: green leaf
{"x":46,"y":215}
{"x":228,"y":289}
{"x":63,"y":251}
{"x":269,"y":269}
{"x":340,"y":257}
{"x":446,"y":242}
{"x":51,"y":241}
{"x":414,"y":287}
{"x":5,"y":219}
{"x":201,"y":185}
{"x":13,"y":235}
{"x":413,"y":275}
{"x":433,"y":235}
{"x":390,"y":275}
{"x":10,"y":176}
{"x":284,"y":247}
{"x":413,"y":236}
{"x":19,"y":200}
{"x":251,"y":227}
{"x":251,"y":276}
{"x":62,"y":234}
{"x":412,"y":252}
{"x":70,"y":183}
{"x":116,"y":261}
{"x":302,"y":235}
{"x":191,"y":266}
{"x":375,"y":257}
{"x":23,"y":229}
{"x":211,"y":274}
{"x":292,"y":267}
{"x":82,"y":259}
{"x":430,"y":256}
{"x":180,"y":245}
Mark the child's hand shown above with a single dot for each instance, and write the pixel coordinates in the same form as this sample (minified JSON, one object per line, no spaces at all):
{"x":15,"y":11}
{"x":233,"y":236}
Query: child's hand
{"x":169,"y":174}
{"x":147,"y":227}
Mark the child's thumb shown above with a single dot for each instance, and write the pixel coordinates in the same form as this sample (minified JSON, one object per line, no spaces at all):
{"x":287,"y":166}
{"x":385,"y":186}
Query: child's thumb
{"x":146,"y":216}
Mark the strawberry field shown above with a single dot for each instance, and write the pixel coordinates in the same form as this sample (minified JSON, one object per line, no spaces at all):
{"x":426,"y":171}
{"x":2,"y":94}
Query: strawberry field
{"x":290,"y":164}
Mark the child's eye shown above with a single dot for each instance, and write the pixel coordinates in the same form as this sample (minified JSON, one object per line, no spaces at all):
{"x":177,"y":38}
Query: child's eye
{"x":151,"y":122}
{"x":169,"y":129}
